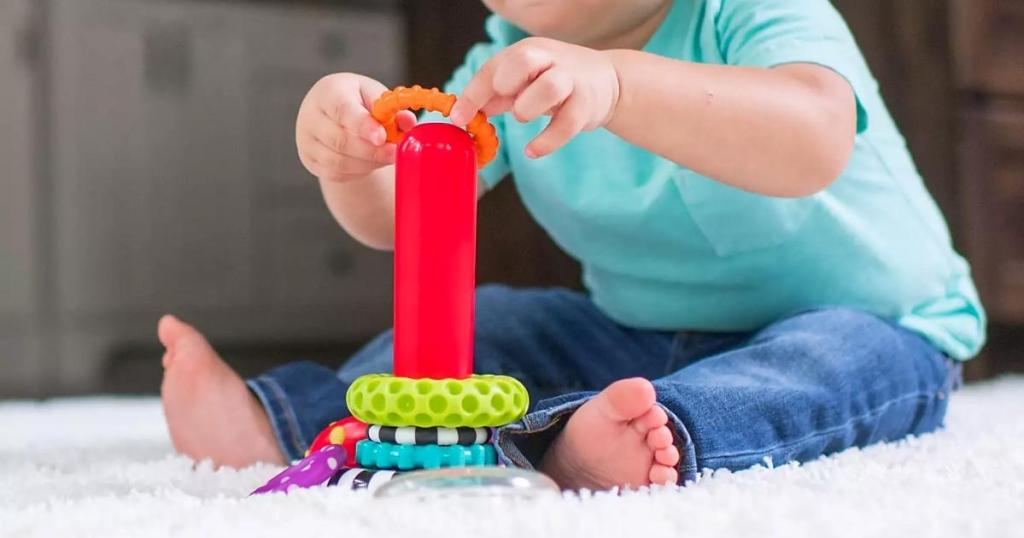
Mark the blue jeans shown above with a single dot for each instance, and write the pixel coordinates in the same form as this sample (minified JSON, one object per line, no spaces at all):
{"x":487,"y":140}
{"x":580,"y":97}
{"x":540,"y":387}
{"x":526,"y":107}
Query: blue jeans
{"x":811,"y":384}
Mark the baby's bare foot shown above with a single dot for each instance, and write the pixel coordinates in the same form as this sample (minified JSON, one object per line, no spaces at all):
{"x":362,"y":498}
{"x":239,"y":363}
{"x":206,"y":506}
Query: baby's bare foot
{"x":210,"y":412}
{"x":618,"y":438}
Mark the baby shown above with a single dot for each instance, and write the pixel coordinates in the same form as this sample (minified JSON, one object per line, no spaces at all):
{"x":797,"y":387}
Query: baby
{"x":768,"y":279}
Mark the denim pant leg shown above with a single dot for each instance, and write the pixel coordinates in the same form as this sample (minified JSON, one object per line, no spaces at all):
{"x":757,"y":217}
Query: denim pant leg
{"x":555,"y":341}
{"x":523,"y":443}
{"x":302,"y":398}
{"x":812,"y":384}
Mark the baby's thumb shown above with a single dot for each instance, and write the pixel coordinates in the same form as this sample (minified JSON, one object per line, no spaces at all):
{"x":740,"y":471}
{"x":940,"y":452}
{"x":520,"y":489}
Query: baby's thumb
{"x":370,"y":90}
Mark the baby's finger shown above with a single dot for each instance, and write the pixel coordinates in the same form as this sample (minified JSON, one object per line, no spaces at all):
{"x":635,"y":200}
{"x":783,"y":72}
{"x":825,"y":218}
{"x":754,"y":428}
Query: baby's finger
{"x":545,"y":93}
{"x":370,"y":130}
{"x":519,"y":67}
{"x":477,"y":93}
{"x":498,"y":105}
{"x":323,"y":130}
{"x":406,"y":120}
{"x":369,"y":91}
{"x":566,"y":123}
{"x":330,"y":167}
{"x":347,"y":144}
{"x":345,"y":164}
{"x":354,"y":117}
{"x":309,"y":162}
{"x":369,"y":156}
{"x":313,"y":165}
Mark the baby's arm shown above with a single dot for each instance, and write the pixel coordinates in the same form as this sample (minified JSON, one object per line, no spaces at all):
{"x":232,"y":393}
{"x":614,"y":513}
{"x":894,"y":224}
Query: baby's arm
{"x":365,"y":208}
{"x":784,"y":131}
{"x":344,"y":147}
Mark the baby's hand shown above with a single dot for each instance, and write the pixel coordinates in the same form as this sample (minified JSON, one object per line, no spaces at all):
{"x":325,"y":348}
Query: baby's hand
{"x":578,"y":87}
{"x":337,"y":138}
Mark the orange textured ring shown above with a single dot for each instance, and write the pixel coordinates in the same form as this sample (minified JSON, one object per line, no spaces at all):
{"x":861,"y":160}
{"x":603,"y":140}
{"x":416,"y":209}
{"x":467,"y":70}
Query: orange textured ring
{"x":416,"y":98}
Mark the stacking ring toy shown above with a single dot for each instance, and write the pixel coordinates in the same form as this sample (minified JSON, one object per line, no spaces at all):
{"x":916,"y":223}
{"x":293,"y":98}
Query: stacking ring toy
{"x":481,"y":400}
{"x":405,"y":457}
{"x":345,"y":432}
{"x":313,"y":470}
{"x":358,"y":478}
{"x":428,"y":436}
{"x":433,"y":100}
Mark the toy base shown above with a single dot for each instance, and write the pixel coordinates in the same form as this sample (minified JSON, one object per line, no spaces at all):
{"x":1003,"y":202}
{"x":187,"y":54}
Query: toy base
{"x":406,"y":457}
{"x":470,"y":482}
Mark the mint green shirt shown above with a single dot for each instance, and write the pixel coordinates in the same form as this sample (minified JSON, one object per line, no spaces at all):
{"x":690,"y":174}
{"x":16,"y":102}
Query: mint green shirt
{"x":663,"y":247}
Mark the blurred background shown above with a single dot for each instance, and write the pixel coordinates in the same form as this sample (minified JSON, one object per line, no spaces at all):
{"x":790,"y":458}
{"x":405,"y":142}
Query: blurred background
{"x":147,"y":165}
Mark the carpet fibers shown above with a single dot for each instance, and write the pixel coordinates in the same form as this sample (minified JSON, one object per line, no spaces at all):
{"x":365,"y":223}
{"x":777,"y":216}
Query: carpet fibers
{"x":104,"y":467}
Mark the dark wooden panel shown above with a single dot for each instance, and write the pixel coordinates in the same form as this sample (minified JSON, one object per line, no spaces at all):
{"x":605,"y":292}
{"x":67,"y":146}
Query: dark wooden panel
{"x":513,"y":249}
{"x":992,"y":154}
{"x":989,"y":44}
{"x":926,"y":110}
{"x":907,"y":46}
{"x":440,"y":33}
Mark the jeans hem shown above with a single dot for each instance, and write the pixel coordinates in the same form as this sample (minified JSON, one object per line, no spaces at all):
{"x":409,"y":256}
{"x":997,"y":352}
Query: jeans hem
{"x":510,"y":440}
{"x":281,"y":414}
{"x":687,"y":466}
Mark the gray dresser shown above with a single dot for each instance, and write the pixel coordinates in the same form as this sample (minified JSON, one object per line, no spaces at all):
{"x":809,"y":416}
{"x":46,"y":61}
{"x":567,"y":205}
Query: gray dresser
{"x":147,"y":165}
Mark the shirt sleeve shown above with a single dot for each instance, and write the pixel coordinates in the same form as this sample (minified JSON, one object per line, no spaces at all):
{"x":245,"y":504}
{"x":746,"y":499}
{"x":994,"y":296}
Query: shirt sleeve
{"x":767,"y":33}
{"x":477,"y":56}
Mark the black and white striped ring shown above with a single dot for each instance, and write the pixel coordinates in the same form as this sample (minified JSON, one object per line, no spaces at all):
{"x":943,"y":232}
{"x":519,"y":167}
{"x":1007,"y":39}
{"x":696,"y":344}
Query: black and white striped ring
{"x":359,"y":478}
{"x":410,"y":435}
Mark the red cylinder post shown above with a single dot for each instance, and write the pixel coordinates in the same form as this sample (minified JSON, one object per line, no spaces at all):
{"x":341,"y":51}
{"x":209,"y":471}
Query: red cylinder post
{"x":435,"y":252}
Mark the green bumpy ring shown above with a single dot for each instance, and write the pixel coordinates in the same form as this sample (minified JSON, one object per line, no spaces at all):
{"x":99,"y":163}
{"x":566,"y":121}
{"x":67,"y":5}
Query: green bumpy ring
{"x":481,"y":400}
{"x":405,"y":457}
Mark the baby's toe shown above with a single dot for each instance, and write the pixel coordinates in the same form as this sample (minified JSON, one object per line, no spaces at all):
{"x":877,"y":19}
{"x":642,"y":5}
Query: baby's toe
{"x":663,"y":475}
{"x":667,"y":456}
{"x":658,"y":438}
{"x":653,"y":418}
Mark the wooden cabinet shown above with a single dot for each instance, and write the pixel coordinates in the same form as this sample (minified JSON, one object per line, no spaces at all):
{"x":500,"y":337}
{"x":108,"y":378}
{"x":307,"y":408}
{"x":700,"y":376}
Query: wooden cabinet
{"x":988,"y":45}
{"x":992,"y":171}
{"x":176,"y":187}
{"x":20,"y":362}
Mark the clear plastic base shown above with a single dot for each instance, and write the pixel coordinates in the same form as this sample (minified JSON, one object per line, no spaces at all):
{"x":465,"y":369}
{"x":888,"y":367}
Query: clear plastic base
{"x":469,"y":482}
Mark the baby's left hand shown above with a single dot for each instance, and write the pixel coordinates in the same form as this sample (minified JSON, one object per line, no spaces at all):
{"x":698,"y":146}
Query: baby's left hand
{"x":578,"y":87}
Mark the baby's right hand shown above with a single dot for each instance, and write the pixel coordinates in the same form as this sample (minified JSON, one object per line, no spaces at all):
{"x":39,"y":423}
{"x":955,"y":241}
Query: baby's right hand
{"x":336,"y":137}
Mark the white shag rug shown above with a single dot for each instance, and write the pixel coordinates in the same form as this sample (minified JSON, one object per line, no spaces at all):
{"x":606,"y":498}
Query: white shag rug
{"x":104,"y":467}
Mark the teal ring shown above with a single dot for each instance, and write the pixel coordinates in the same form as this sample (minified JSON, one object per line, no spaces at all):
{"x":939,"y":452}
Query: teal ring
{"x":405,"y":457}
